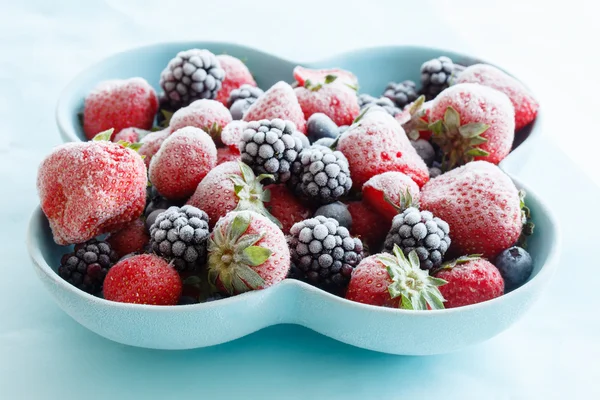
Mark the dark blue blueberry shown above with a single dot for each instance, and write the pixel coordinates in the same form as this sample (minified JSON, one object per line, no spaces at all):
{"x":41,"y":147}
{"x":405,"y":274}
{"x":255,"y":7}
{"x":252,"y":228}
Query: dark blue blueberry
{"x":338,"y":211}
{"x":327,"y":142}
{"x":424,"y":150}
{"x":240,"y":106}
{"x":515,"y":266}
{"x":320,"y":126}
{"x":185,"y":300}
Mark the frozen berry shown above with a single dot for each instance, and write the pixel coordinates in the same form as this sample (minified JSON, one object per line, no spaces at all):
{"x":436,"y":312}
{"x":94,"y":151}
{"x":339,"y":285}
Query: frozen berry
{"x":338,"y":211}
{"x":515,"y":266}
{"x":320,"y":126}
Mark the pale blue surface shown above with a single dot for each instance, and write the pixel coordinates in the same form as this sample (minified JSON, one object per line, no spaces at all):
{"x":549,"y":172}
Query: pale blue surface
{"x":551,"y":353}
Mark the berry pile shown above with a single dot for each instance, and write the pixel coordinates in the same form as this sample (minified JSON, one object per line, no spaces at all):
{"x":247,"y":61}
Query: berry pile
{"x":214,"y":187}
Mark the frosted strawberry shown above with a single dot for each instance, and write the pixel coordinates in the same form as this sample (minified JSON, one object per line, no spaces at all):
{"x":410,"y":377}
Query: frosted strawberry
{"x":480,"y":203}
{"x":246,"y":251}
{"x":375,"y":144}
{"x":151,"y":143}
{"x":525,"y":105}
{"x":388,"y":191}
{"x":91,"y":188}
{"x":367,"y":224}
{"x":472,"y":122}
{"x":236,"y":75}
{"x":286,"y":207}
{"x":119,"y":104}
{"x":225,"y":154}
{"x":332,"y":98}
{"x":394,"y":280}
{"x":279,"y":101}
{"x":232,"y":135}
{"x":132,"y":238}
{"x":470,"y":280}
{"x":131,"y":135}
{"x":182,"y":161}
{"x":315,"y":76}
{"x":208,"y":115}
{"x":230,"y":186}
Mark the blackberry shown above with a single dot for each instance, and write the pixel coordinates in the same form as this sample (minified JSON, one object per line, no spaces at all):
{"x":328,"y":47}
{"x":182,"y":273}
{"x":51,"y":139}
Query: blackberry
{"x":436,"y":75}
{"x":87,"y":265}
{"x":324,"y":253}
{"x":402,"y":93}
{"x":241,"y":99}
{"x":320,"y":174}
{"x":338,"y":211}
{"x":420,"y":231}
{"x":180,"y":235}
{"x":366,"y":101}
{"x":319,"y":126}
{"x":425,"y":150}
{"x":270,"y":147}
{"x":192,"y":75}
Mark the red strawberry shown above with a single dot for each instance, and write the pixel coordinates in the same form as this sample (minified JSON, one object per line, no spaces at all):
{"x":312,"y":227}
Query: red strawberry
{"x":415,"y":119}
{"x":217,"y":193}
{"x":91,"y":188}
{"x":246,"y":251}
{"x":232,"y":135}
{"x":470,"y":280}
{"x":393,"y":280}
{"x":472,"y":122}
{"x":315,"y":76}
{"x":131,"y":135}
{"x":525,"y":105}
{"x":208,"y":115}
{"x":391,"y":185}
{"x":377,"y":144}
{"x":225,"y":154}
{"x":143,"y":279}
{"x":151,"y":143}
{"x":236,"y":75}
{"x":119,"y":104}
{"x":286,"y":207}
{"x":336,"y":100}
{"x":368,"y":225}
{"x":132,"y":238}
{"x":279,"y":101}
{"x":184,"y":158}
{"x":480,"y":203}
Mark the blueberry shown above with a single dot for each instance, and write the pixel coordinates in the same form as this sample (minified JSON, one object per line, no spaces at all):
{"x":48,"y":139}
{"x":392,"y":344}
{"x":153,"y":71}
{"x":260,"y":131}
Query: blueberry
{"x":327,"y":142}
{"x":424,"y":150}
{"x":515,"y":266}
{"x":434,"y":172}
{"x":338,"y":211}
{"x":152,"y":217}
{"x":239,"y":107}
{"x":320,"y":126}
{"x":303,"y":139}
{"x":185,"y":300}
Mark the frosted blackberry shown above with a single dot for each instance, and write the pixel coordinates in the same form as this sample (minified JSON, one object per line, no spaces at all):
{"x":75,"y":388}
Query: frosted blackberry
{"x":365,"y":101}
{"x":193,"y":74}
{"x":87,"y":265}
{"x":402,"y":93}
{"x":241,"y":99}
{"x":324,"y":253}
{"x":180,"y":235}
{"x":321,"y":175}
{"x":436,"y":75}
{"x":422,"y":232}
{"x":270,"y":147}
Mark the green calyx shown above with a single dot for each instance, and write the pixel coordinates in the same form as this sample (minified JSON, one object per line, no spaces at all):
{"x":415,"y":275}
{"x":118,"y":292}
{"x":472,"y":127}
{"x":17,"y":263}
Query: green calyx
{"x":416,"y":288}
{"x":214,"y":131}
{"x":107,"y":134}
{"x":416,"y":121}
{"x":458,"y":261}
{"x":308,"y":84}
{"x":167,"y":115}
{"x":232,"y":254}
{"x":251,"y":193}
{"x":528,"y":225}
{"x":406,"y":201}
{"x":460,"y":143}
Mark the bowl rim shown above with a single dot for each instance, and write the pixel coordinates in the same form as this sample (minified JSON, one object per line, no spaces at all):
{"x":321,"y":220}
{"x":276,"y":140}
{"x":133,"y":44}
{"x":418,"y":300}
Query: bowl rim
{"x":546,"y":270}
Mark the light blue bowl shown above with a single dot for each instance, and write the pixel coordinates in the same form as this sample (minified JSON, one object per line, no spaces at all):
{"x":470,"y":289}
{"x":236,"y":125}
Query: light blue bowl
{"x":375,"y":328}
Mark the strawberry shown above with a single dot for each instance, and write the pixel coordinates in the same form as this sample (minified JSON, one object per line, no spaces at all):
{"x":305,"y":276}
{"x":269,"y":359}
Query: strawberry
{"x":208,"y":115}
{"x":230,"y":186}
{"x":377,"y":144}
{"x":525,"y":105}
{"x":480,"y":203}
{"x":232,"y":135}
{"x":470,"y":280}
{"x":332,"y":98}
{"x":414,"y":119}
{"x":279,"y":101}
{"x":119,"y":104}
{"x":184,"y":158}
{"x":388,"y":192}
{"x":367,"y":224}
{"x":143,"y":279}
{"x":286,"y":207}
{"x":236,"y":75}
{"x":246,"y":251}
{"x":315,"y":76}
{"x":472,"y":122}
{"x":151,"y":143}
{"x":131,"y":135}
{"x":132,"y":238}
{"x":393,"y":280}
{"x":91,"y":188}
{"x":225,"y":154}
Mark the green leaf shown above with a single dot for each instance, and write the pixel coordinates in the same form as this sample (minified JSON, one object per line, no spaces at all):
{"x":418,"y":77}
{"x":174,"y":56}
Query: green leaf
{"x":330,"y":78}
{"x":361,"y":115}
{"x":414,"y":259}
{"x":435,"y":299}
{"x":477,"y":141}
{"x":249,"y":276}
{"x":406,"y":304}
{"x":451,"y":118}
{"x":266,"y":195}
{"x":246,"y":241}
{"x":394,"y":290}
{"x":413,"y":134}
{"x":239,"y":226}
{"x":353,"y":87}
{"x":262,"y":177}
{"x":239,"y":286}
{"x":472,"y":130}
{"x":417,"y":104}
{"x":104,"y":136}
{"x":192,"y":280}
{"x":256,"y":255}
{"x":477,"y":152}
{"x":247,"y":172}
{"x":419,"y":302}
{"x":437,"y":281}
{"x":307,"y":83}
{"x":436,"y":127}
